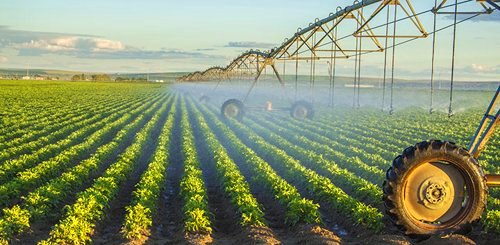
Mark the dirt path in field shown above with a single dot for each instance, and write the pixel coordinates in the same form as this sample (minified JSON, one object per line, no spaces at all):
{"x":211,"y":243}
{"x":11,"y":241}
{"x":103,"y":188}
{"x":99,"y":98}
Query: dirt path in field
{"x":168,"y":224}
{"x":108,"y":231}
{"x":225,"y":219}
{"x":274,"y":212}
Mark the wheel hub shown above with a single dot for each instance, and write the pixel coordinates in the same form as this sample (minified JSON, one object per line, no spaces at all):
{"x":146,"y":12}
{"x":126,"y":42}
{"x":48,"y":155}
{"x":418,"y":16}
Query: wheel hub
{"x":300,"y":112}
{"x":231,"y":111}
{"x":434,"y":193}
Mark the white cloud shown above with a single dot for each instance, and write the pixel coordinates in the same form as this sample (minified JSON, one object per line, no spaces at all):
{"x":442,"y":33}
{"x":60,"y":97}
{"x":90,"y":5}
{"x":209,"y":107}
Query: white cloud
{"x":99,"y":48}
{"x":105,"y":44}
{"x":57,"y":44}
{"x":65,"y":41}
{"x":3,"y":59}
{"x":482,"y":68}
{"x":34,"y":44}
{"x":74,"y":44}
{"x":249,"y":45}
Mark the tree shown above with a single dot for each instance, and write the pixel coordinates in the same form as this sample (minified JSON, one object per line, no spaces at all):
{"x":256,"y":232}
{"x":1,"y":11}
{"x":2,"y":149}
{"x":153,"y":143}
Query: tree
{"x":101,"y":77}
{"x":76,"y":78}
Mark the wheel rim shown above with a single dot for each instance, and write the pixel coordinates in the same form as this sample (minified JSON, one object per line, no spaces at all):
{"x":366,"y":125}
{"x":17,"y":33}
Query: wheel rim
{"x":435,"y":194}
{"x":231,"y":110}
{"x":300,"y":112}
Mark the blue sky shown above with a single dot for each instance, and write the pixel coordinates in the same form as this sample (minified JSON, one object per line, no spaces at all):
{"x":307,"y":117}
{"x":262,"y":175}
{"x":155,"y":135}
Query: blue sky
{"x":154,"y":35}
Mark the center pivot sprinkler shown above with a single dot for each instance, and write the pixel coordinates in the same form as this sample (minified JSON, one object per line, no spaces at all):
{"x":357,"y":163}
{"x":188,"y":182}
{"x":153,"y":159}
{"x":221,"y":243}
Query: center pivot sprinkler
{"x":234,"y":108}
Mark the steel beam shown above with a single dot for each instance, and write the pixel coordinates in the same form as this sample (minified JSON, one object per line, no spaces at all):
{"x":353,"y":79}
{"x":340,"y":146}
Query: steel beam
{"x":486,"y":127}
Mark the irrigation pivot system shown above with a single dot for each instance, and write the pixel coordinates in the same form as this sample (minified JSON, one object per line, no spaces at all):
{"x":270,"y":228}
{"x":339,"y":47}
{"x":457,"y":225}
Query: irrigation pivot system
{"x":433,"y":187}
{"x":349,"y":33}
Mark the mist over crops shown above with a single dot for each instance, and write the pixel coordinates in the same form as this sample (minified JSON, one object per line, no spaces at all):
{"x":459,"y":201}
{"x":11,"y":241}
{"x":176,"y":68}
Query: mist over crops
{"x":405,"y":94}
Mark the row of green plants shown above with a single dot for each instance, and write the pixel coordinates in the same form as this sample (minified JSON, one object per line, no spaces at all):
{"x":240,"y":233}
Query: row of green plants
{"x":46,"y":170}
{"x":231,"y":179}
{"x":360,"y":133}
{"x":352,"y":144}
{"x":19,"y":126}
{"x":52,"y":131}
{"x":320,"y":186}
{"x":46,"y":128}
{"x":356,"y":186}
{"x":328,"y":150}
{"x":140,"y":212}
{"x":29,"y":103}
{"x":404,"y":129}
{"x":362,"y":137}
{"x":492,"y":215}
{"x":80,"y":218}
{"x":342,"y":153}
{"x":42,"y":202}
{"x":192,"y":186}
{"x":298,"y":210}
{"x":57,"y":132}
{"x":11,"y":167}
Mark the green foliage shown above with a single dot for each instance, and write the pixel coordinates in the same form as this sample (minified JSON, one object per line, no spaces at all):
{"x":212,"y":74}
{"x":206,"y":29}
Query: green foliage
{"x":93,"y":77}
{"x":196,"y":220}
{"x":492,"y":220}
{"x":138,"y":219}
{"x":79,"y":221}
{"x":54,"y":140}
{"x":296,"y":211}
{"x":192,"y":186}
{"x":15,"y":220}
{"x":320,"y":186}
{"x":230,"y":177}
{"x":137,"y":222}
{"x":362,"y":189}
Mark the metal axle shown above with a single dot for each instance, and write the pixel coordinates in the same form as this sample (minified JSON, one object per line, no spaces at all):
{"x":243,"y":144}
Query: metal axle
{"x":493,"y":180}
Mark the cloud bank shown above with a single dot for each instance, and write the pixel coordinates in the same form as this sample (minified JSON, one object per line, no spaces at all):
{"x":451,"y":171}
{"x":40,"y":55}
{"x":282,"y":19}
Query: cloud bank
{"x":249,"y":45}
{"x":30,"y":43}
{"x":493,"y":17}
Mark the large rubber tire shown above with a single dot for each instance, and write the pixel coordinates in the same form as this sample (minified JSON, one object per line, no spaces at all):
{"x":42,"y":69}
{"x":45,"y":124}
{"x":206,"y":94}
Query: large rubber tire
{"x":452,"y":164}
{"x":301,"y":110}
{"x":233,"y":108}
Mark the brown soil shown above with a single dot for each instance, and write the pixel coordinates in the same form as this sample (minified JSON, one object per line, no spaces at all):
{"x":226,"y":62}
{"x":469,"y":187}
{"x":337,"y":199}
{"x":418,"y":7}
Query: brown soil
{"x":313,"y":234}
{"x":167,"y":223}
{"x":198,"y":239}
{"x":108,"y":231}
{"x":261,"y":235}
{"x":225,"y":219}
{"x":381,"y":239}
{"x":453,"y":239}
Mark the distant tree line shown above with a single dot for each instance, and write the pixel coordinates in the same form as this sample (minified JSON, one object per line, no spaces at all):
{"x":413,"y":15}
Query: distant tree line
{"x":94,"y":77}
{"x":130,"y":79}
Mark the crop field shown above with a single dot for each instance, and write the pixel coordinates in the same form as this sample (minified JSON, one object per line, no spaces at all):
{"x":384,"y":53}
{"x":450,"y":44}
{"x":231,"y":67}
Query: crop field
{"x":113,"y":163}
